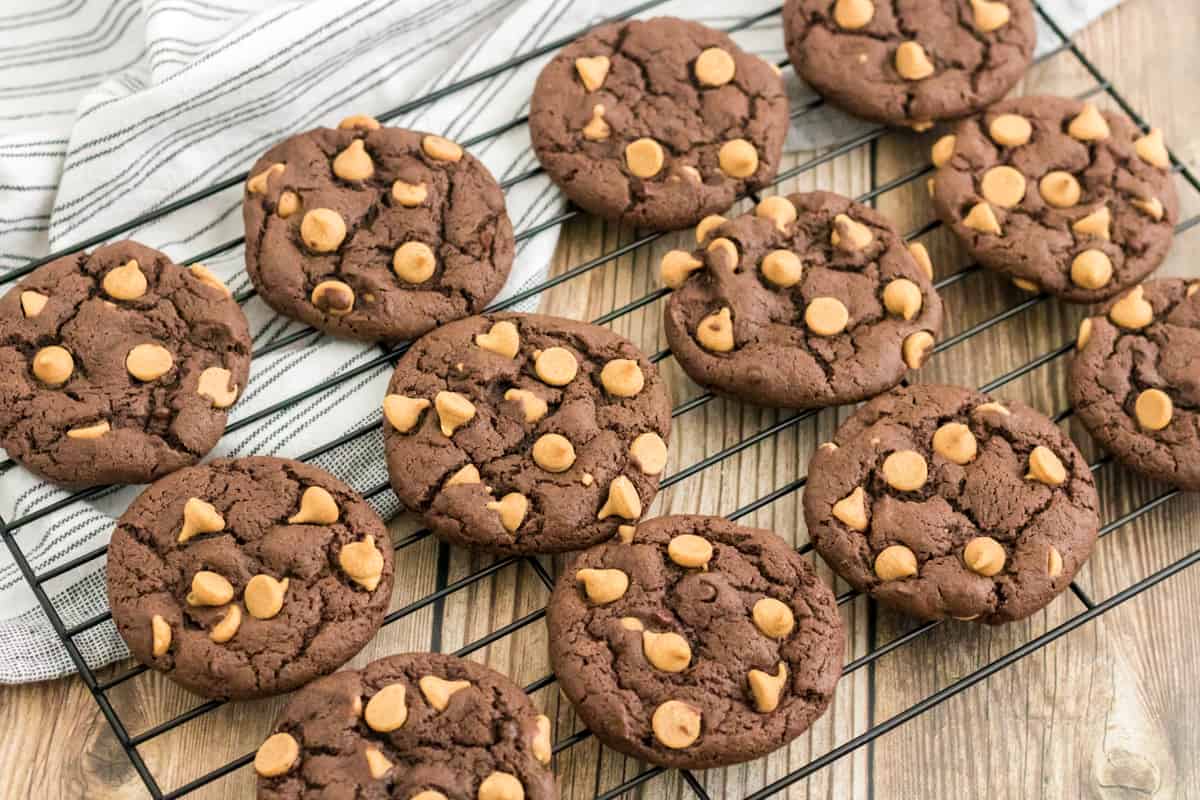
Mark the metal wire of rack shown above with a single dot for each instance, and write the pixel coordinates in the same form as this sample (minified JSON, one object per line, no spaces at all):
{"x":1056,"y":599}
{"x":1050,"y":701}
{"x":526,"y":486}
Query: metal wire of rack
{"x":130,"y":742}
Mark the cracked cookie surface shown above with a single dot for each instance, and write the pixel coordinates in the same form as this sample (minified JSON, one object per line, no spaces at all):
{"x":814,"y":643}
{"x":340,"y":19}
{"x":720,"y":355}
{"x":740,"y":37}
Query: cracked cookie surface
{"x":375,"y":233}
{"x":855,"y":53}
{"x":942,"y":502}
{"x":723,"y":646}
{"x":377,"y":733}
{"x":659,"y":122}
{"x":806,"y":322}
{"x":525,"y":433}
{"x":249,"y":603}
{"x":1080,"y":203}
{"x":117,"y":366}
{"x":1135,"y":381}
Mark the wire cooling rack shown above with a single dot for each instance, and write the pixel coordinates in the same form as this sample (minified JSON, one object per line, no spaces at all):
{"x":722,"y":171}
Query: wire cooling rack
{"x":100,"y":688}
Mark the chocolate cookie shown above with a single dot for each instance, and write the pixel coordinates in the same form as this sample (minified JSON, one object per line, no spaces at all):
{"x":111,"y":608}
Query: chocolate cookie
{"x":942,"y":502}
{"x":1059,"y":196}
{"x":375,"y":233}
{"x":694,"y":642}
{"x":118,"y":366}
{"x":658,"y":123}
{"x":914,"y":62}
{"x":526,"y":433}
{"x":418,"y":726}
{"x":812,"y":300}
{"x":1135,"y":381}
{"x":248,"y":577}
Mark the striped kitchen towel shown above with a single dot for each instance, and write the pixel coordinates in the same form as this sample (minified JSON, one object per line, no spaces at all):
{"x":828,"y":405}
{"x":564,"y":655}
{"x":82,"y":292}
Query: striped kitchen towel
{"x":113,"y":108}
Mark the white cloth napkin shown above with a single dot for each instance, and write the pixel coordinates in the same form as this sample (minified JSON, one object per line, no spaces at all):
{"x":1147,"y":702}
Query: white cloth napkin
{"x":112,"y":108}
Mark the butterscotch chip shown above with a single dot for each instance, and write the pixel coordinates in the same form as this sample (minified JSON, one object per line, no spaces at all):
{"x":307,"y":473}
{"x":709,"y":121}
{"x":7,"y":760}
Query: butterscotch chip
{"x":644,"y":158}
{"x":454,"y":410}
{"x":354,"y":163}
{"x":782,"y":268}
{"x":403,"y":413}
{"x":715,"y":67}
{"x":982,"y":219}
{"x":895,"y":563}
{"x":1089,"y":125}
{"x":715,"y":332}
{"x":359,"y":122}
{"x":777,"y":209}
{"x":94,"y":431}
{"x":160,"y":636}
{"x":902,"y":297}
{"x":1004,"y":186}
{"x":1095,"y":224}
{"x":905,"y":470}
{"x":32,"y":303}
{"x":387,"y":710}
{"x":668,"y":652}
{"x":258,"y":183}
{"x":622,"y":377}
{"x":148,"y":362}
{"x":676,"y":724}
{"x":921,"y":256}
{"x":1060,"y":189}
{"x":556,"y":366}
{"x":1154,"y":409}
{"x":199,"y":517}
{"x":511,"y":509}
{"x":592,"y":71}
{"x":708,"y":225}
{"x":276,"y":756}
{"x":1151,"y":149}
{"x":676,"y":266}
{"x":229,"y":625}
{"x":623,"y":500}
{"x":773,"y":618}
{"x":323,"y":230}
{"x":1091,"y":269}
{"x":912,"y":62}
{"x":501,"y":786}
{"x":532,"y":406}
{"x":853,"y":14}
{"x":603,"y":586}
{"x":852,"y":510}
{"x":597,"y":129}
{"x":362,"y":562}
{"x":826,"y":316}
{"x":1132,"y":311}
{"x":954,"y":441}
{"x":317,"y":507}
{"x":916,"y":348}
{"x":849,"y":234}
{"x":333,"y":297}
{"x":502,"y":338}
{"x":990,"y":15}
{"x":126,"y":282}
{"x":767,"y":688}
{"x":1010,"y":130}
{"x":984,"y":555}
{"x":440,"y":149}
{"x":738,"y":158}
{"x":943,"y":150}
{"x":690,"y":550}
{"x":1046,"y":467}
{"x":53,"y":365}
{"x":553,"y":452}
{"x":209,"y":589}
{"x":414,"y":262}
{"x":649,"y":452}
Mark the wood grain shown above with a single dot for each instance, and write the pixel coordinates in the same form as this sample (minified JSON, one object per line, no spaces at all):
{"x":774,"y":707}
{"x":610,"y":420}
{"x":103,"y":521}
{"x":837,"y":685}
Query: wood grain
{"x":1105,"y":712}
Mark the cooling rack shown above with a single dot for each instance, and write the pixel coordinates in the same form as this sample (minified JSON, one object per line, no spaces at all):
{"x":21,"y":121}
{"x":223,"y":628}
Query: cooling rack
{"x":100,"y":689}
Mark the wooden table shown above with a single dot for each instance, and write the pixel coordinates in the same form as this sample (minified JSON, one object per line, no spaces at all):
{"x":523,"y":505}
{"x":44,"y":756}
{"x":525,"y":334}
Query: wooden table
{"x":1105,"y":712}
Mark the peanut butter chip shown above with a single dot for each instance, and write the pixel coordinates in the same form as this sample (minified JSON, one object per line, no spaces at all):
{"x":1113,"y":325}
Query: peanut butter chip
{"x":826,"y":316}
{"x":955,"y":442}
{"x":1060,"y":189}
{"x":912,"y":62}
{"x":409,"y":195}
{"x":359,"y":122}
{"x":676,"y":724}
{"x":644,"y":158}
{"x":668,"y":652}
{"x":1151,"y":149}
{"x":208,"y":278}
{"x":626,"y":533}
{"x":363,"y":562}
{"x":738,"y":158}
{"x":905,"y":470}
{"x":715,"y":67}
{"x":440,"y":149}
{"x":1045,"y":467}
{"x":1154,"y":409}
{"x":990,"y":15}
{"x":387,"y":711}
{"x":895,"y":563}
{"x":676,"y":266}
{"x":414,"y":262}
{"x":503,"y":339}
{"x":623,"y":500}
{"x":216,"y":383}
{"x":782,"y":268}
{"x":377,"y":763}
{"x":773,"y":618}
{"x":1095,"y":224}
{"x":317,"y":507}
{"x":32,"y":303}
{"x":148,"y":362}
{"x":689,"y":550}
{"x":592,"y":71}
{"x":53,"y":365}
{"x":126,"y":282}
{"x":597,"y":129}
{"x":1132,"y":311}
{"x":1026,"y":285}
{"x":454,"y":410}
{"x":553,"y":452}
{"x":289,"y":204}
{"x":1152,"y":208}
{"x":276,"y":755}
{"x":555,"y":366}
{"x":199,"y":517}
{"x":258,"y":183}
{"x":160,"y":636}
{"x":779,"y":210}
{"x":229,"y":625}
{"x":851,"y":510}
{"x":540,"y":745}
{"x":354,"y":163}
{"x":512,"y":509}
{"x":1085,"y":333}
{"x":89,"y":431}
{"x":649,"y":453}
{"x":464,"y":477}
{"x":986,"y":408}
{"x":715,"y":332}
{"x":725,"y":253}
{"x":209,"y":589}
{"x":853,"y":14}
{"x":1003,"y":186}
{"x":767,"y":688}
{"x":1054,"y":562}
{"x":943,"y":150}
{"x":1091,"y":269}
{"x":532,"y":406}
{"x":985,"y":556}
{"x":603,"y":585}
{"x":981,"y":218}
{"x":438,"y":691}
{"x":916,"y":348}
{"x":1010,"y":130}
{"x":1089,"y":126}
{"x":333,"y":298}
{"x":902,"y":297}
{"x":429,"y":794}
{"x":921,"y":256}
{"x":632,"y":624}
{"x":850,"y":235}
{"x":707,"y":226}
{"x":403,"y":413}
{"x":323,"y":230}
{"x":264,"y":596}
{"x":501,"y":786}
{"x":622,"y":377}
